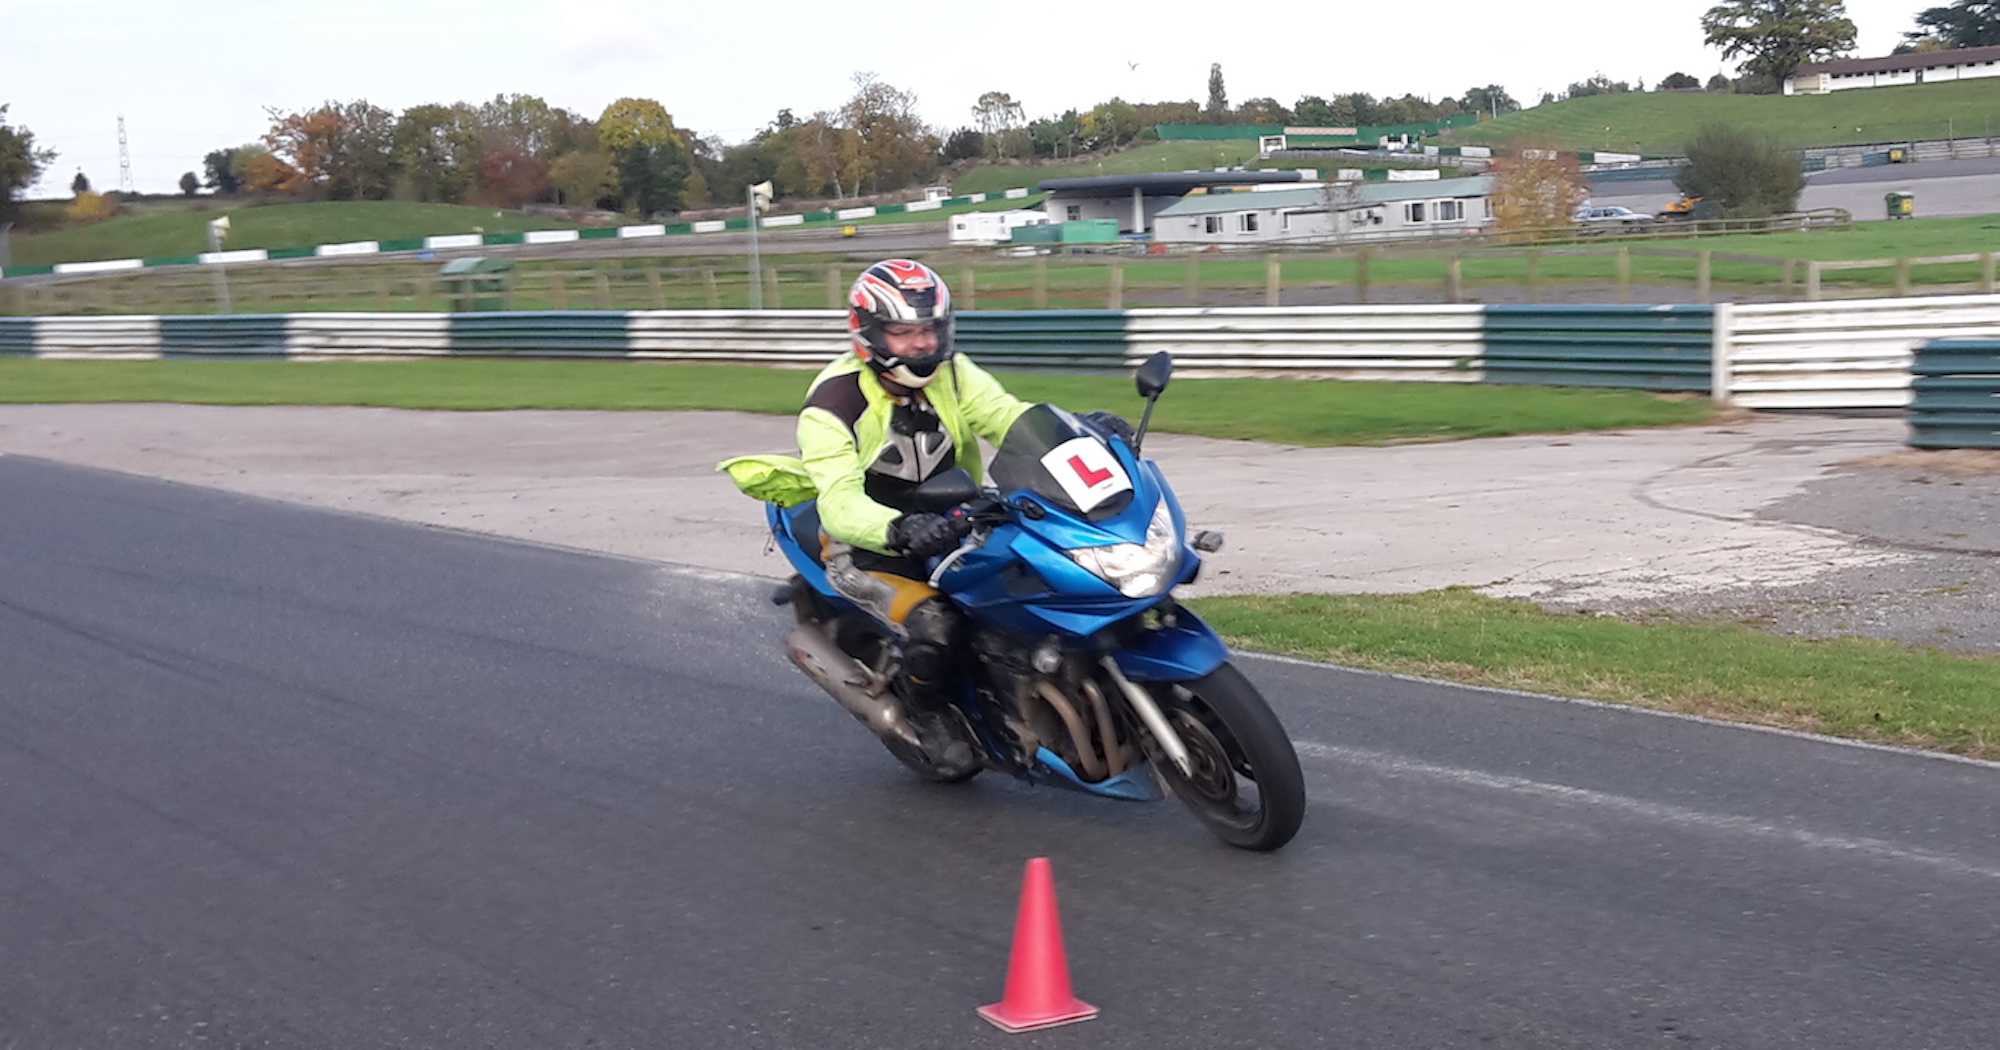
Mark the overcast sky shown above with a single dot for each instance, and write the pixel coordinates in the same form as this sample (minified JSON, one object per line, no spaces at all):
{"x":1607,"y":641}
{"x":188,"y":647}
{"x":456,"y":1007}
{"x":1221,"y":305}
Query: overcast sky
{"x":190,"y":77}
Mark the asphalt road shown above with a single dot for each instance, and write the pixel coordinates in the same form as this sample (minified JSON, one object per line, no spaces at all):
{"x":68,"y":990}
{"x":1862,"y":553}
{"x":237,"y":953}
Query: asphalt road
{"x":1942,"y":188}
{"x":278,"y":776}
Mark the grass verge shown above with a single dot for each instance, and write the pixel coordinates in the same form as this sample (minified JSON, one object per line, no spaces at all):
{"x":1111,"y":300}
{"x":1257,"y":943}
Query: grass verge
{"x":1293,"y":413}
{"x":1852,"y":687}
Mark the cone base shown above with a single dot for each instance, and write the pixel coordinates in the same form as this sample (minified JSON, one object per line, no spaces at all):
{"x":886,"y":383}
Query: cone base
{"x":1017,"y":1021}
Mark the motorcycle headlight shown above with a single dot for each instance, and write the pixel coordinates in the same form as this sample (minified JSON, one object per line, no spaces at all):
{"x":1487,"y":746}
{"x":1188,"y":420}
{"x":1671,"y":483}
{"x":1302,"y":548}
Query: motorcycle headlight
{"x":1138,"y":570}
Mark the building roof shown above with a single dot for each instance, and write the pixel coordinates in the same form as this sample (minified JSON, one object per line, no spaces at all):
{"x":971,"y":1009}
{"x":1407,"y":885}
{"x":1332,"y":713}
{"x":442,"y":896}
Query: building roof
{"x":1315,"y":197}
{"x":1423,"y":190}
{"x":1162,"y":183}
{"x":1962,"y":56}
{"x":1210,"y":203}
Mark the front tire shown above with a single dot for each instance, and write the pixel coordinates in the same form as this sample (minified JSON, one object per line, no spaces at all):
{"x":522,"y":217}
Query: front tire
{"x":1246,"y":786}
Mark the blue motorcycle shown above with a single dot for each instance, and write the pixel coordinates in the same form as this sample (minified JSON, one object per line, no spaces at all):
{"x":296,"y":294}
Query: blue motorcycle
{"x":1081,"y":670}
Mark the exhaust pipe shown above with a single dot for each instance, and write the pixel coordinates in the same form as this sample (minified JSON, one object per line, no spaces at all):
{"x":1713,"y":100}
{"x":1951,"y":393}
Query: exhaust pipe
{"x":862,"y":692}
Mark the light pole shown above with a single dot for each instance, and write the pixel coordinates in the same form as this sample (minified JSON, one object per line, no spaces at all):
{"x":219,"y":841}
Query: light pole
{"x":217,"y":230}
{"x":759,"y":195}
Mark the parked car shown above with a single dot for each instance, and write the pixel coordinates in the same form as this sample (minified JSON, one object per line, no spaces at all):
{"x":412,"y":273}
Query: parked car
{"x":1610,"y":215}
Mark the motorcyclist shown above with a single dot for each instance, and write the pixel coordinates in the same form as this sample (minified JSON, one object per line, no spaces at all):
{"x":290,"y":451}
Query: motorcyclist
{"x":898,"y":408}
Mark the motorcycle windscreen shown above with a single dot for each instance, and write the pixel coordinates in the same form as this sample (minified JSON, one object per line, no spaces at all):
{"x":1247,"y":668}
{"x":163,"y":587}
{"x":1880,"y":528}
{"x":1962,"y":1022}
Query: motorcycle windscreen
{"x":1052,"y":454}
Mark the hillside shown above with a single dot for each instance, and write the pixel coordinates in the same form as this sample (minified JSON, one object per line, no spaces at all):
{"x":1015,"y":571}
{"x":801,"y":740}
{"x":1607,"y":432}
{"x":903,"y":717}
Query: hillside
{"x":153,"y":233}
{"x":1657,"y":124}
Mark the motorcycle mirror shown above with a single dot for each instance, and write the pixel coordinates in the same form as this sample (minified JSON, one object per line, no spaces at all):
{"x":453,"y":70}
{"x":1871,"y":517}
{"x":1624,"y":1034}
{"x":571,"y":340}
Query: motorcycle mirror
{"x":1153,"y":375}
{"x":946,"y":490}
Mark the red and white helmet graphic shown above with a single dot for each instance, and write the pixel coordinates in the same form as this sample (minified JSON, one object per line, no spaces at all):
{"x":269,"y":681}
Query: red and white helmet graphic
{"x":900,"y":291}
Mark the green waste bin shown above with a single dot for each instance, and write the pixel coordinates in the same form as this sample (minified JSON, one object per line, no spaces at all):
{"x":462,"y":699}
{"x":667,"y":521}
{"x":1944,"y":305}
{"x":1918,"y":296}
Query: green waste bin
{"x":478,"y":284}
{"x":1901,"y":205}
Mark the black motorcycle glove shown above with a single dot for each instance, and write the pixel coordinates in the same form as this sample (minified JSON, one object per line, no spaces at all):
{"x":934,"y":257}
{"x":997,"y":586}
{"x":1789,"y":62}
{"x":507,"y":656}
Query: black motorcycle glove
{"x":1110,"y":423}
{"x":922,"y":535}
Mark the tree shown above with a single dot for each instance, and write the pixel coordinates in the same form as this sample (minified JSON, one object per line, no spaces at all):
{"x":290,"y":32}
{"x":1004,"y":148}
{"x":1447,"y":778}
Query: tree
{"x":219,"y":169}
{"x":1536,"y":188}
{"x":1717,"y":82}
{"x":190,"y":184}
{"x":1778,"y":36}
{"x":1749,"y":177}
{"x":508,"y":178}
{"x":526,"y":125}
{"x":652,"y":154}
{"x":889,"y":147}
{"x":1491,"y":100}
{"x":1001,"y":121}
{"x":81,"y":184}
{"x":588,"y":179}
{"x":964,"y":144}
{"x":1963,"y":23}
{"x":1312,"y":111}
{"x":21,"y":164}
{"x":1217,"y":111}
{"x":1597,"y":84}
{"x":437,"y":151}
{"x":1678,"y":81}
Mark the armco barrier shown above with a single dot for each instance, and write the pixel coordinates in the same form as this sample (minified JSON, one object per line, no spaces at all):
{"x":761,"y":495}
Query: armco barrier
{"x":778,"y":337}
{"x":350,"y":335}
{"x":1644,"y":348}
{"x":1419,"y":343}
{"x":246,"y":336}
{"x":1955,"y":399}
{"x":540,"y":334}
{"x":1046,"y":340}
{"x":1850,"y":354}
{"x":17,"y":336}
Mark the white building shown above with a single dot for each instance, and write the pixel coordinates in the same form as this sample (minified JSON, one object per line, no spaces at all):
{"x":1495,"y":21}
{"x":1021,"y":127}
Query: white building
{"x":1929,"y":67}
{"x":992,"y":227}
{"x":1333,"y":212}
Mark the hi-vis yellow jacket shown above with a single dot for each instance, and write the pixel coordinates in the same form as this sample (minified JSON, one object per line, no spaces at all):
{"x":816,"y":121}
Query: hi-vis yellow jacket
{"x":845,"y":425}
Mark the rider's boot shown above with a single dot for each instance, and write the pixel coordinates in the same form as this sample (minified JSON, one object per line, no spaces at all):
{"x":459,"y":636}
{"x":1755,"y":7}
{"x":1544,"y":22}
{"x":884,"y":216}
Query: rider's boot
{"x":925,"y":681}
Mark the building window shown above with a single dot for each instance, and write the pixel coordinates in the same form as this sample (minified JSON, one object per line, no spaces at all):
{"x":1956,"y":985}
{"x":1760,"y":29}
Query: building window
{"x":1450,"y":211}
{"x":1211,"y":224}
{"x":1073,"y":212}
{"x":1413,"y":212}
{"x":1246,"y":222}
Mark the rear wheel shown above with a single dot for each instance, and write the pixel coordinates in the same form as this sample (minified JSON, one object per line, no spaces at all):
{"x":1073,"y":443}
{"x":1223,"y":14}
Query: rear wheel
{"x":1245,"y":784}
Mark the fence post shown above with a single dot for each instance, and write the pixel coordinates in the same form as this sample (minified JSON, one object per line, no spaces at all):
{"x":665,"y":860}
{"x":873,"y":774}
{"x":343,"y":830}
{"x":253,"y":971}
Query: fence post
{"x":1986,"y":272}
{"x":658,"y":290}
{"x":772,"y":297}
{"x":1361,"y":276}
{"x":1041,"y":282}
{"x":1534,"y":277}
{"x":559,"y":291}
{"x":1454,"y":278}
{"x":1902,"y":277}
{"x":1192,"y":292}
{"x":1812,"y":280}
{"x":1786,"y":281}
{"x":1114,"y":295}
{"x":708,"y":291}
{"x":603,"y":290}
{"x":1703,"y":276}
{"x":970,"y":284}
{"x":1722,"y":355}
{"x":833,"y":288}
{"x":1272,"y":279}
{"x":1624,"y":272}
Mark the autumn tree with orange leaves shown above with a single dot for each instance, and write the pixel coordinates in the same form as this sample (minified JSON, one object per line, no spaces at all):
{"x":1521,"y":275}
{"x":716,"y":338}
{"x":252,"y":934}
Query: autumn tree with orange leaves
{"x":1537,"y":187}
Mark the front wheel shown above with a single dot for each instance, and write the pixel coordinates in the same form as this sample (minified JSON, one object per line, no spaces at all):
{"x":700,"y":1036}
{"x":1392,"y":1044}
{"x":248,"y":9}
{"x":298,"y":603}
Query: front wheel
{"x":1246,"y":786}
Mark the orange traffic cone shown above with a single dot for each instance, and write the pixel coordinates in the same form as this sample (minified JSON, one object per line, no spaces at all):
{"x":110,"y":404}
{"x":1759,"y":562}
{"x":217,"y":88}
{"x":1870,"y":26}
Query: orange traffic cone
{"x":1038,"y":992}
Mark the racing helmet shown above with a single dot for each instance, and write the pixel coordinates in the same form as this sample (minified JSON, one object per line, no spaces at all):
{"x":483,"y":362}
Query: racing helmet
{"x":900,"y":291}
